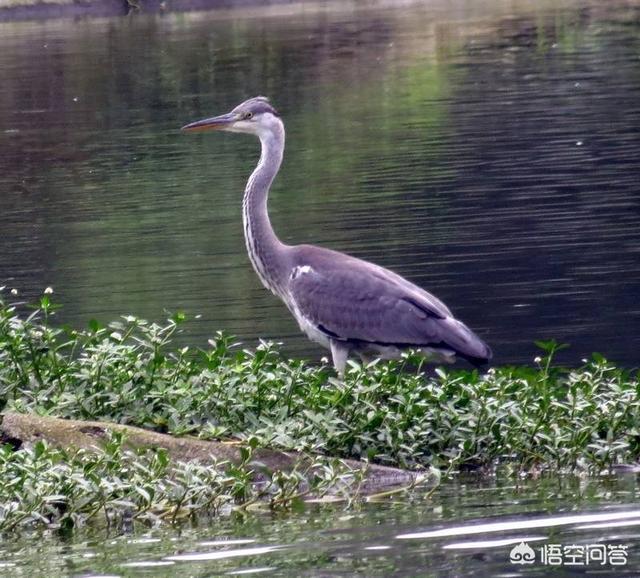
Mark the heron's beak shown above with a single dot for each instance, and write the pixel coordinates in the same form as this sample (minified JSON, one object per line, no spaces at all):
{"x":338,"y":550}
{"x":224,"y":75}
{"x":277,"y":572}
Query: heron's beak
{"x":215,"y":123}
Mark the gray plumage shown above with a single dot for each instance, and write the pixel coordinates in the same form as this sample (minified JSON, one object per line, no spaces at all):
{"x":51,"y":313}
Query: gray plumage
{"x":346,"y":304}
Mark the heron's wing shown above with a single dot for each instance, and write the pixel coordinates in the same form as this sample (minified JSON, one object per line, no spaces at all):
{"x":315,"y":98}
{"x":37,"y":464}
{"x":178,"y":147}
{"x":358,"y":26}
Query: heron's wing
{"x":355,"y":300}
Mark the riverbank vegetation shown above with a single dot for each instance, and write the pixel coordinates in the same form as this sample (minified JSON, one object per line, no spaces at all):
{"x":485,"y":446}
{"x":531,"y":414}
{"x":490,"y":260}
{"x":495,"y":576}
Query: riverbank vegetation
{"x":117,"y":487}
{"x":399,"y":414}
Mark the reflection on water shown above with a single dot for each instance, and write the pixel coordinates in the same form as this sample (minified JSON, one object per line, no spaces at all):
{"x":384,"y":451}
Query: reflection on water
{"x":470,"y":527}
{"x":490,"y":152}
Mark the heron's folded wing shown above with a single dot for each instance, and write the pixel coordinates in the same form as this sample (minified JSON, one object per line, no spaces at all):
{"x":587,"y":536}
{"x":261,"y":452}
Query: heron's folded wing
{"x":350,"y":302}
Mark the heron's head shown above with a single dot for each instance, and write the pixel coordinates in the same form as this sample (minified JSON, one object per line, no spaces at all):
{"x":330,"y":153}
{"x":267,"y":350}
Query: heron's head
{"x":254,"y":116}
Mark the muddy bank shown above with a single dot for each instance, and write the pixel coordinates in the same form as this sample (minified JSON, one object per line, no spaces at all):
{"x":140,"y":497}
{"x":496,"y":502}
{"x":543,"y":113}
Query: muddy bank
{"x":11,"y":10}
{"x":20,"y":429}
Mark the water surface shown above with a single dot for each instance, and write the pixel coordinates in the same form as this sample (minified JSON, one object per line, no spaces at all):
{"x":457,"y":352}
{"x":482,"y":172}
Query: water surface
{"x":468,"y":528}
{"x":488,"y":151}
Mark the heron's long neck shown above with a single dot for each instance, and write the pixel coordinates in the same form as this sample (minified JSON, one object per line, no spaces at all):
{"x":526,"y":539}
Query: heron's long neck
{"x":267,"y":253}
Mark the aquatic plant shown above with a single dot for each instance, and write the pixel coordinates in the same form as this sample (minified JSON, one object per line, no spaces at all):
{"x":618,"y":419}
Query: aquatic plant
{"x":115,"y":486}
{"x":543,"y":416}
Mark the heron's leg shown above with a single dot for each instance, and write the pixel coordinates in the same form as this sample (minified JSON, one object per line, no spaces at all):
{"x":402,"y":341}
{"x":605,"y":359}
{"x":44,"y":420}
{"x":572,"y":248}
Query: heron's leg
{"x":366,"y":358}
{"x":339,"y":353}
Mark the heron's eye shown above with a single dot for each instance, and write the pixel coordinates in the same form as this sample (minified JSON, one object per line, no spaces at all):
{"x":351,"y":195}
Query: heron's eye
{"x":247,"y":116}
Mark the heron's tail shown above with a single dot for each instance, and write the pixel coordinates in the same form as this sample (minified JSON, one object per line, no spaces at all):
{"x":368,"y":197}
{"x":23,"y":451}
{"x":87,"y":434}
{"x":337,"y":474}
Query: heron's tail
{"x":465,"y":342}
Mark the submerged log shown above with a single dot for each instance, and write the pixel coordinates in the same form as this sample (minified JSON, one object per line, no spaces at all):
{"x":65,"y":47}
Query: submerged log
{"x":24,"y":429}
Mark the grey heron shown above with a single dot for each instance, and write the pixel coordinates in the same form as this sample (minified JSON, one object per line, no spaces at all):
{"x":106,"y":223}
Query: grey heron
{"x":348,"y":305}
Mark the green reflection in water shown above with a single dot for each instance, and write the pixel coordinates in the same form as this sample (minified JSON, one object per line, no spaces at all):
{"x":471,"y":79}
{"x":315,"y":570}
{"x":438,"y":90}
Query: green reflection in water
{"x":150,"y":218}
{"x":435,"y":140}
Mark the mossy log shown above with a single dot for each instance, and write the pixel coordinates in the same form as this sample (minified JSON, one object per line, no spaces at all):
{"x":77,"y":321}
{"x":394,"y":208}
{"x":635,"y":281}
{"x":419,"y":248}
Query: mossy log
{"x":11,"y":10}
{"x":24,"y":429}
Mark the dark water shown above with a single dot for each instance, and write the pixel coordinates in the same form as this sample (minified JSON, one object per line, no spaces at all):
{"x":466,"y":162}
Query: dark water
{"x":468,"y":528}
{"x":489,"y":151}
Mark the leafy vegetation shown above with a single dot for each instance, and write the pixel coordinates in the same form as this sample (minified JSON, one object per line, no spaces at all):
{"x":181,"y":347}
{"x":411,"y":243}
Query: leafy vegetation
{"x":532,"y":417}
{"x":63,"y":489}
